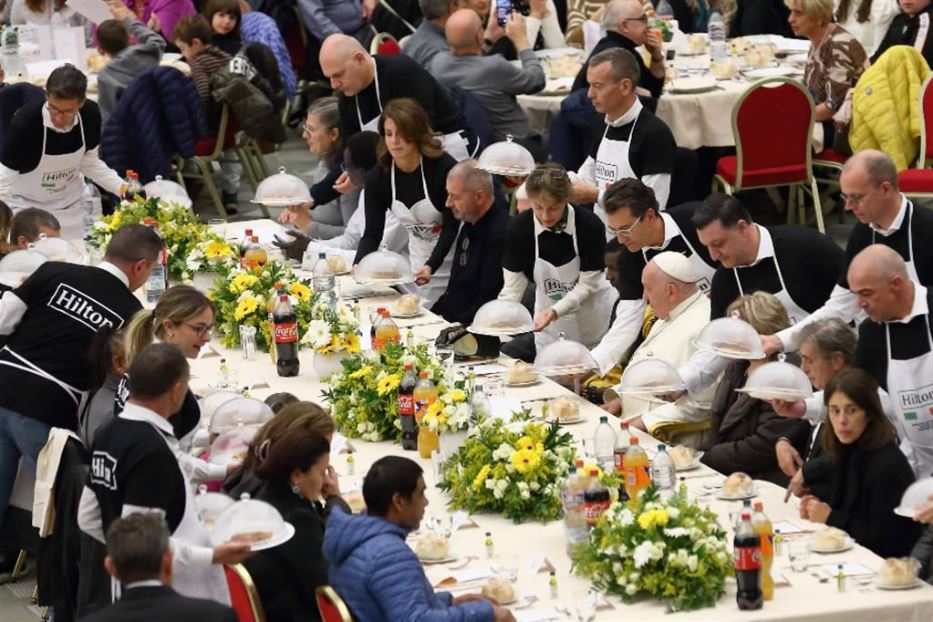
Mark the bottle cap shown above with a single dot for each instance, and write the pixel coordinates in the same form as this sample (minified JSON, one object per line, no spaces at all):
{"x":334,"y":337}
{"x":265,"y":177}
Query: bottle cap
{"x":409,"y":366}
{"x":488,"y":533}
{"x":578,"y":462}
{"x":249,"y":232}
{"x":633,"y":440}
{"x":661,"y":447}
{"x":594,"y":471}
{"x":423,"y":373}
{"x":746,"y":515}
{"x":255,"y":239}
{"x":603,"y":419}
{"x":283,"y":296}
{"x":758,"y":506}
{"x":322,"y":255}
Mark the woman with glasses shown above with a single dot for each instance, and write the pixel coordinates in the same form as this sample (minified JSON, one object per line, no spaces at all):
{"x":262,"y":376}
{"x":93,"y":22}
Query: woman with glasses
{"x":559,"y":249}
{"x":870,"y":472}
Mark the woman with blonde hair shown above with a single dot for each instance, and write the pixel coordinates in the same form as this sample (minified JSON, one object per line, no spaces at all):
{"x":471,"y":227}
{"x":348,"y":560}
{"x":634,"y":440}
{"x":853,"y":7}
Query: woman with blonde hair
{"x":744,"y":430}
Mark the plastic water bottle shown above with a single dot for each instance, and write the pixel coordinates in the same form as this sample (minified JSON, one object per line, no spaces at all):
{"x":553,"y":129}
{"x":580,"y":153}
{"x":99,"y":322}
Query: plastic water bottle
{"x":717,"y":36}
{"x":604,"y":444}
{"x":322,"y":281}
{"x":572,"y":498}
{"x":155,"y":286}
{"x":9,"y":46}
{"x":663,"y":473}
{"x":480,"y":403}
{"x":93,"y":209}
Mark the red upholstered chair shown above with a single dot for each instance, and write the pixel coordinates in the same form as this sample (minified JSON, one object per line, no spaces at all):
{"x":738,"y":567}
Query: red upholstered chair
{"x":331,"y":606}
{"x":918,"y":182}
{"x":384,"y":43}
{"x":243,"y":594}
{"x":772,"y":123}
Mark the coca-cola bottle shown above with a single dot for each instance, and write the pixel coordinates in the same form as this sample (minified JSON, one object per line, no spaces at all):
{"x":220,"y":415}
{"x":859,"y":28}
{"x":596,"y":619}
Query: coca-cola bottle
{"x":285,"y":335}
{"x":596,"y":499}
{"x":406,"y":408}
{"x":747,"y":564}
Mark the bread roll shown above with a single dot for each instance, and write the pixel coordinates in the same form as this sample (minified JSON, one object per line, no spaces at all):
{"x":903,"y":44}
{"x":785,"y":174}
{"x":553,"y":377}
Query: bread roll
{"x":520,"y":372}
{"x":565,"y":409}
{"x":432,"y":547}
{"x":501,"y":591}
{"x":897,"y":572}
{"x":408,"y":304}
{"x":737,"y":485}
{"x":830,"y":539}
{"x":337,"y":263}
{"x":682,"y":456}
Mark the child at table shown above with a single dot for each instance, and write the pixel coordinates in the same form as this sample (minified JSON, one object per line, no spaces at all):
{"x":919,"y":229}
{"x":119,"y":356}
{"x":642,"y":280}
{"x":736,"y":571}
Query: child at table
{"x":224,"y":18}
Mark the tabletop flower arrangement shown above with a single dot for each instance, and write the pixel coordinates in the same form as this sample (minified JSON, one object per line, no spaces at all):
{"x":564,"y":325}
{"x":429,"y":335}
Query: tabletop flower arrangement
{"x":242,"y":297}
{"x":452,"y":411}
{"x":511,"y":467}
{"x":363,"y":397}
{"x":331,"y":331}
{"x":211,"y":254}
{"x":671,"y":549}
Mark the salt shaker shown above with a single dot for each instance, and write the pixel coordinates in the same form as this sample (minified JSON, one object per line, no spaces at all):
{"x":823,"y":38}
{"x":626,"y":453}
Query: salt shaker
{"x":248,"y":342}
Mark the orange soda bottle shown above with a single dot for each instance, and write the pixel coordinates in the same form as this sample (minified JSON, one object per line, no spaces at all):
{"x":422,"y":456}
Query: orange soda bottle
{"x":761,"y":524}
{"x":637,"y":470}
{"x":385,"y":331}
{"x":424,"y":395}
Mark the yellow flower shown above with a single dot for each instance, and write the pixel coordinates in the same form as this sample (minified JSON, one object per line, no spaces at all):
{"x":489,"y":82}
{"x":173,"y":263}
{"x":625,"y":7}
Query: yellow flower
{"x":480,"y":478}
{"x":435,"y":409}
{"x":524,"y":443}
{"x":247,"y":306}
{"x":352,"y":343}
{"x":115,"y":221}
{"x":362,"y":371}
{"x":300,"y":291}
{"x":242,"y":282}
{"x":215,"y":249}
{"x":653,"y":517}
{"x":525,"y":460}
{"x":388,"y":384}
{"x":457,"y":395}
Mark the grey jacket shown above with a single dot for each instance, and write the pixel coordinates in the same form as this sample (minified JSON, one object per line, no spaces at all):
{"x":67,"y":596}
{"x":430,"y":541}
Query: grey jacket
{"x":328,"y":17}
{"x":330,"y":219}
{"x":426,"y":43}
{"x":127,"y":65}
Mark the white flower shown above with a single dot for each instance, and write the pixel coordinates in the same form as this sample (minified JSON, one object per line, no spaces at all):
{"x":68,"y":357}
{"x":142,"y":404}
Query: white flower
{"x":622,"y":550}
{"x":522,"y":487}
{"x":491,"y":484}
{"x":525,"y":494}
{"x":361,"y":428}
{"x":658,"y":551}
{"x":676,"y":532}
{"x":503,"y":452}
{"x":502,"y":484}
{"x":643,"y":553}
{"x":631,"y":589}
{"x":617,"y":569}
{"x":498,"y":494}
{"x":634,"y":576}
{"x":672,"y":512}
{"x":692,"y":563}
{"x":535,"y":486}
{"x":626,"y":518}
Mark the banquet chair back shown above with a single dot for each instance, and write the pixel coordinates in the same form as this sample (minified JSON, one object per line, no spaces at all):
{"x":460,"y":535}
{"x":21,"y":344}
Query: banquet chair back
{"x":244,"y":597}
{"x":331,"y":606}
{"x":384,"y":43}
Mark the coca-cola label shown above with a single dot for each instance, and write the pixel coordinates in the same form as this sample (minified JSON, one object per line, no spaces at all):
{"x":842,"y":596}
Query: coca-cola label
{"x":619,"y":461}
{"x":286,"y":333}
{"x":406,"y":404}
{"x":594,"y":510}
{"x":747,"y":558}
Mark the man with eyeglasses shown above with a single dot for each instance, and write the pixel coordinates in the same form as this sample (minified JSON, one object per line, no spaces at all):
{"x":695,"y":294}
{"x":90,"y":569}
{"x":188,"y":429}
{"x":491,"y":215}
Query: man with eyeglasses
{"x":885,"y":216}
{"x":50,"y":147}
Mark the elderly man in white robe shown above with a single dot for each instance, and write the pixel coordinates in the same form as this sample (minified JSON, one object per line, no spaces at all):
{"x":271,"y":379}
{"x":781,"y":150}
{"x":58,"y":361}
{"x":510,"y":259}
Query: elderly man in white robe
{"x":682,"y":310}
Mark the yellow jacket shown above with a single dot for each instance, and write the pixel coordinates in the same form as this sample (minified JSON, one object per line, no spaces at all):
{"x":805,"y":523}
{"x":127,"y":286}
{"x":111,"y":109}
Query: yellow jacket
{"x":886,"y":112}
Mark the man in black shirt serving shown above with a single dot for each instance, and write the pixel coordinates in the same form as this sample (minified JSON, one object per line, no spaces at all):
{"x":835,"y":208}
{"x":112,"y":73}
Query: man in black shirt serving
{"x":50,"y":147}
{"x":51,"y":319}
{"x":798,"y":265}
{"x":885,"y":216}
{"x":895,"y":345}
{"x":633,"y":215}
{"x":635,"y":144}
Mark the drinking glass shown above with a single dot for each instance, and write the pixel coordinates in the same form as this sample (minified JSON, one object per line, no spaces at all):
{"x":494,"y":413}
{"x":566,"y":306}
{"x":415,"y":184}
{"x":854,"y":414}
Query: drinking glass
{"x":799,"y":553}
{"x":248,"y":342}
{"x":218,"y":226}
{"x":585,"y":608}
{"x":506,"y":566}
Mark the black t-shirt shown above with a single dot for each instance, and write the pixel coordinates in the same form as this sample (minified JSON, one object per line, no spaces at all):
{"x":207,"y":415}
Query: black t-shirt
{"x":400,"y":76}
{"x":182,"y":422}
{"x":651,"y":145}
{"x":810,"y":263}
{"x":761,"y":17}
{"x":409,"y":190}
{"x":22,"y":144}
{"x":919,"y":235}
{"x":556,"y":248}
{"x":631,"y":264}
{"x":66,"y":306}
{"x":648,"y":80}
{"x":903,"y":31}
{"x":908,"y":341}
{"x":131,"y":463}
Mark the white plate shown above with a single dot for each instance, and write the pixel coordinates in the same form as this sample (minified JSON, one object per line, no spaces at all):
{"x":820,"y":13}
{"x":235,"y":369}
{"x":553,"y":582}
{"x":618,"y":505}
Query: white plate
{"x":724,"y":497}
{"x":798,"y":59}
{"x":288,"y":530}
{"x":845,"y":547}
{"x":430,"y":562}
{"x":557,"y":52}
{"x":771,"y":72}
{"x":578,"y":419}
{"x":404,"y":316}
{"x":693,"y":464}
{"x":917,"y":583}
{"x":280,"y":202}
{"x":905,"y":512}
{"x":498,"y":332}
{"x":525,"y":383}
{"x":767,"y":393}
{"x":700,"y":84}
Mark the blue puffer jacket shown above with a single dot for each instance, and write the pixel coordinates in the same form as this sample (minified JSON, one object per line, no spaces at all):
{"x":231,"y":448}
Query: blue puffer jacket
{"x":259,"y":27}
{"x":158,"y":115}
{"x":380,"y":578}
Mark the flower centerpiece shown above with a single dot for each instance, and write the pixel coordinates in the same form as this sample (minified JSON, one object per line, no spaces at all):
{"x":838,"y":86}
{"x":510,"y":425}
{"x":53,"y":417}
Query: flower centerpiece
{"x":452,"y":415}
{"x":515,"y":468}
{"x":333,"y":335}
{"x":363,"y":396}
{"x":185,"y":236}
{"x":670,"y":549}
{"x":242,"y":298}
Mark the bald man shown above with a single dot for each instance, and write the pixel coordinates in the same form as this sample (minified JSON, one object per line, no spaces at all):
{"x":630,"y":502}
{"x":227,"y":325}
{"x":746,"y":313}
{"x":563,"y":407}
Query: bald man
{"x":895,"y":345}
{"x":885,"y":216}
{"x":670,"y":284}
{"x":492,"y":80}
{"x":367,"y":83}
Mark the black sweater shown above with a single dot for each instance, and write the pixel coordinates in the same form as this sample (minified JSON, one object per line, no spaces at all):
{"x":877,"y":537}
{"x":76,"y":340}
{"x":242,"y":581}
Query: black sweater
{"x":648,"y":80}
{"x":903,"y":31}
{"x":22,"y":143}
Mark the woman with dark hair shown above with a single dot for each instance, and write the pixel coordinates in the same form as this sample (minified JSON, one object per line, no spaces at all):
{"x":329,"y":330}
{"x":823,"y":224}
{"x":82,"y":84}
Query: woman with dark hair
{"x":411,"y":183}
{"x":224,"y":17}
{"x":866,"y":20}
{"x":297,"y":474}
{"x":108,"y":364}
{"x":870,"y":475}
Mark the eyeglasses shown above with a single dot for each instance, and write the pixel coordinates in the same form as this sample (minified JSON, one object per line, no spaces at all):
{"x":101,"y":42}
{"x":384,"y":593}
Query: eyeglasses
{"x":202,"y":330}
{"x":306,"y":129}
{"x":643,"y":19}
{"x":627,"y":231}
{"x":69,"y":114}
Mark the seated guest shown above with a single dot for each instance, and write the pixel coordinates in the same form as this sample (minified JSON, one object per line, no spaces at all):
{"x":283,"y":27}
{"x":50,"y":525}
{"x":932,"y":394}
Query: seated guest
{"x":895,"y":344}
{"x":492,"y":80}
{"x":428,"y":39}
{"x":162,"y":15}
{"x":835,"y":62}
{"x":760,"y":17}
{"x":866,"y":21}
{"x":125,"y":61}
{"x":627,"y":27}
{"x":578,"y":12}
{"x":139,"y":556}
{"x":542,"y":26}
{"x":870,"y":473}
{"x":558,"y":248}
{"x":634,"y":144}
{"x":297,"y":474}
{"x":693,"y":15}
{"x":797,"y":264}
{"x":375,"y":572}
{"x":682,"y":311}
{"x":224,"y":18}
{"x":108,"y":365}
{"x":31,"y":224}
{"x":911,"y":28}
{"x":257,"y":27}
{"x":475,"y":274}
{"x":134,"y":468}
{"x":744,"y":429}
{"x":644,"y":231}
{"x":323,"y":19}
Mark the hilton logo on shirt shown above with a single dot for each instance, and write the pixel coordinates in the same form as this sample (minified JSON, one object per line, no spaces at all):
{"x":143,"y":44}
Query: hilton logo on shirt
{"x":81,"y":307}
{"x":605,"y":171}
{"x":555,"y":290}
{"x":916,"y":407}
{"x":104,"y":470}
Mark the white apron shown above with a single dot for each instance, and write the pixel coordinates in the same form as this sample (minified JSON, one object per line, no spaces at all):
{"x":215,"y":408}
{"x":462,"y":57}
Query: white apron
{"x":424,"y":225}
{"x":55,"y":185}
{"x":911,"y":391}
{"x":794,"y":312}
{"x":590,"y":322}
{"x":612,"y":164}
{"x":908,"y":218}
{"x":454,"y":143}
